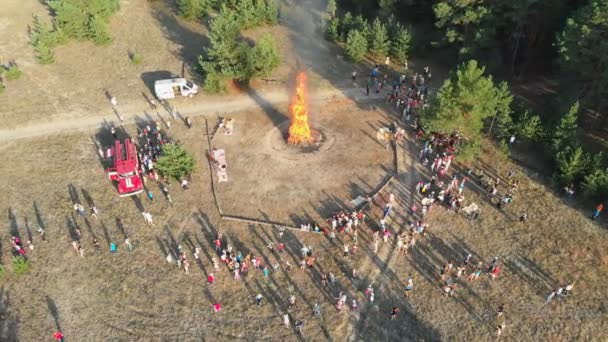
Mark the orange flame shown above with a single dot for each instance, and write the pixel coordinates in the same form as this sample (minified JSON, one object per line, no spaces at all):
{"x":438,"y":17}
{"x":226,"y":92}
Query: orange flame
{"x":299,"y":131}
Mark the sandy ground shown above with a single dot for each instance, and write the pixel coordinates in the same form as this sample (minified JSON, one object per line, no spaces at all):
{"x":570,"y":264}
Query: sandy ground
{"x":264,"y":171}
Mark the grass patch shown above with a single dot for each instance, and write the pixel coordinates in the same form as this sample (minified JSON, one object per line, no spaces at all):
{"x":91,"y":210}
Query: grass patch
{"x":2,"y":88}
{"x":12,"y":73}
{"x":20,"y":265}
{"x":136,"y":58}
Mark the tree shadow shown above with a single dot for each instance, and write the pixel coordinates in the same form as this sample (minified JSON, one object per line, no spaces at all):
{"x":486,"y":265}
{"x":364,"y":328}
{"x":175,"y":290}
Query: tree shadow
{"x":191,"y":43}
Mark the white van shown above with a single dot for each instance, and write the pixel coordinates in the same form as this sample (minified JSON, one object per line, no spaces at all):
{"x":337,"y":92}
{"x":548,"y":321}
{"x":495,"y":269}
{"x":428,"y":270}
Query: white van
{"x":168,"y":89}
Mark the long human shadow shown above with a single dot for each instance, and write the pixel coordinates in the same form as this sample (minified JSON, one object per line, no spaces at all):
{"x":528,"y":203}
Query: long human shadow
{"x":52,"y":307}
{"x":9,"y":325}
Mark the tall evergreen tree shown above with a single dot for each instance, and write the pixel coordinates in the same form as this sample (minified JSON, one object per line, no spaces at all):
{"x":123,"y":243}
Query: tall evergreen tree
{"x":566,"y":132}
{"x":401,"y":43}
{"x":379,"y":42}
{"x":465,"y":101}
{"x":356,"y":45}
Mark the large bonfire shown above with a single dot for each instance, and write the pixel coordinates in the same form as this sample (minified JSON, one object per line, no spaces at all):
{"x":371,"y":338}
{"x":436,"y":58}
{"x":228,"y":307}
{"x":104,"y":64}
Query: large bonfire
{"x":299,"y":131}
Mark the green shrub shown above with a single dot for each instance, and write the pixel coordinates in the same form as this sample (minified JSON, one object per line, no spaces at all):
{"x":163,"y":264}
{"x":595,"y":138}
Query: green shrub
{"x":20,"y":265}
{"x":98,"y":31}
{"x":43,"y":37}
{"x":84,"y":19}
{"x":192,"y":9}
{"x":595,"y":184}
{"x":12,"y":72}
{"x":136,"y":58}
{"x":356,"y":45}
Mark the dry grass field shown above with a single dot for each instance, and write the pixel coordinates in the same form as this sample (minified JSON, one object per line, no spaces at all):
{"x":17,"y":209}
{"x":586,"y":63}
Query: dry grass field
{"x":138,"y":296}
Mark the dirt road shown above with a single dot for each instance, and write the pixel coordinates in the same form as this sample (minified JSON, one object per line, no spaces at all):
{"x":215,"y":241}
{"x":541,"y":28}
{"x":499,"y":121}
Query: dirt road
{"x":226,"y":105}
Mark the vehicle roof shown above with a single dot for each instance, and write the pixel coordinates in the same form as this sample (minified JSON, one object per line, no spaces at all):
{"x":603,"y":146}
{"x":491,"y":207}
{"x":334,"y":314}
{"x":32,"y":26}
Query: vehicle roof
{"x":125,"y":161}
{"x":171,"y":81}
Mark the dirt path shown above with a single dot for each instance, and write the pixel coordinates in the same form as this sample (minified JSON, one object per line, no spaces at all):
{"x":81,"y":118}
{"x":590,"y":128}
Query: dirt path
{"x":225,"y":105}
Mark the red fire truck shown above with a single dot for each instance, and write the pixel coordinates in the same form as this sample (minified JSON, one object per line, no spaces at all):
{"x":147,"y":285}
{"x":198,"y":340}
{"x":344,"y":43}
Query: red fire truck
{"x":125,"y":172}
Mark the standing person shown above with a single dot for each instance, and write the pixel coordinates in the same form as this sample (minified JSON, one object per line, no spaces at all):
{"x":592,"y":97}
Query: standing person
{"x":501,"y":310}
{"x":292,"y":301}
{"x":129,"y":244}
{"x":387,"y":62}
{"x":597,"y":211}
{"x":113,"y":132}
{"x":367,"y":87}
{"x":346,"y":251}
{"x":316,"y":309}
{"x":217,"y":307}
{"x":394,"y":312}
{"x":94,"y":212}
{"x":286,"y":320}
{"x":258,"y":299}
{"x":354,"y":74}
{"x":113,"y":101}
{"x":551,"y":295}
{"x":300,"y":326}
{"x":409,"y":287}
{"x":210,"y":279}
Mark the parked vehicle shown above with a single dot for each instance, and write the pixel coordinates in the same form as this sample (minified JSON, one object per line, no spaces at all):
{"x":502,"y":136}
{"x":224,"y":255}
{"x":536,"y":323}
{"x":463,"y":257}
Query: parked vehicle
{"x":170,"y":88}
{"x":126,"y":170}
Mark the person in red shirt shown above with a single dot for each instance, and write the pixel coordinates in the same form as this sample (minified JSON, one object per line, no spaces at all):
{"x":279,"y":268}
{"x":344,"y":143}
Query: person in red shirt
{"x":495,"y":272}
{"x":210,"y":278}
{"x":58,"y":336}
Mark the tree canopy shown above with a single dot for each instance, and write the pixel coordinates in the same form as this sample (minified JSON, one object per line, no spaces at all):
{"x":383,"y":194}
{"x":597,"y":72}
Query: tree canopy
{"x":175,"y":161}
{"x":465,"y":101}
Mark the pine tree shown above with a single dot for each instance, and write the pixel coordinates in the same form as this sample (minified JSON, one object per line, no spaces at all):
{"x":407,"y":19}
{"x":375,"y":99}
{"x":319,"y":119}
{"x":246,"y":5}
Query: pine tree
{"x":175,"y":161}
{"x":379,"y":42}
{"x":571,"y":164}
{"x":465,"y":101}
{"x":401,"y":44}
{"x":346,"y":25}
{"x":566,"y":132}
{"x":263,"y":57}
{"x":331,"y":29}
{"x":596,"y":183}
{"x":356,"y":45}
